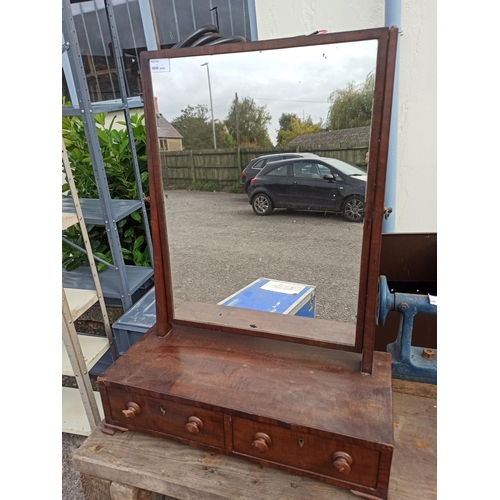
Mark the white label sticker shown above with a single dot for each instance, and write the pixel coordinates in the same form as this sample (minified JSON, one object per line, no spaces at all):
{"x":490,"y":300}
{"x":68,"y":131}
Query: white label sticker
{"x":159,"y":65}
{"x":288,"y":288}
{"x":433,"y":299}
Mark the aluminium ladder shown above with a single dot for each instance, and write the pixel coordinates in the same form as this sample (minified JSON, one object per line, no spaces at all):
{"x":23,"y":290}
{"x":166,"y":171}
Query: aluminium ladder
{"x":82,"y":407}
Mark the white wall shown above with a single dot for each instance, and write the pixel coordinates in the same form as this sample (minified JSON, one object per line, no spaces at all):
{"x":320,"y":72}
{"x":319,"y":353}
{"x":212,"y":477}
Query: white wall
{"x":416,"y":188}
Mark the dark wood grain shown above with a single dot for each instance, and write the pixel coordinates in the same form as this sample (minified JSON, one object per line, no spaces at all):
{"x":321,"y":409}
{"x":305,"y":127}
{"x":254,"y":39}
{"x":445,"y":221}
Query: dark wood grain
{"x":371,"y":188}
{"x":185,"y":472}
{"x":311,"y":331}
{"x":313,"y":387}
{"x":315,"y":454}
{"x":161,"y":258}
{"x":373,"y":256}
{"x":297,"y":41}
{"x":160,"y":268}
{"x":168,"y":417}
{"x":286,"y":390}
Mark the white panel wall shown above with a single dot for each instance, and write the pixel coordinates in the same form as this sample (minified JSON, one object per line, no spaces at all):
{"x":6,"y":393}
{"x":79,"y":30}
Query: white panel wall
{"x":416,"y":188}
{"x":416,"y":194}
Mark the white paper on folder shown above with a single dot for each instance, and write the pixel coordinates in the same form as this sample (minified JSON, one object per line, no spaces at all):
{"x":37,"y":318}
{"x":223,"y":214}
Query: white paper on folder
{"x":279,"y":286}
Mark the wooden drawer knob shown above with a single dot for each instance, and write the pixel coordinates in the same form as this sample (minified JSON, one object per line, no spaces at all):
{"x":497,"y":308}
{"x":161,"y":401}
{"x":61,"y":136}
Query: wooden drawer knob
{"x":342,"y":462}
{"x":193,"y":425}
{"x":261,"y":442}
{"x":132,"y":410}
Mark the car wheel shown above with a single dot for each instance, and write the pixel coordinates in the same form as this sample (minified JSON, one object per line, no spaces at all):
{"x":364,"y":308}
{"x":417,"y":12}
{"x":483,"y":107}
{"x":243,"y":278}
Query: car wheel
{"x":354,"y":209}
{"x":262,"y":204}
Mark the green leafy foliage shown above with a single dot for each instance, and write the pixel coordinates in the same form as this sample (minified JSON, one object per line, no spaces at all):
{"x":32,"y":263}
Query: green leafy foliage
{"x":352,"y":106}
{"x":252,"y":123}
{"x":291,"y":126}
{"x":235,"y":188}
{"x":205,"y":186}
{"x":117,"y":157}
{"x":195,"y":126}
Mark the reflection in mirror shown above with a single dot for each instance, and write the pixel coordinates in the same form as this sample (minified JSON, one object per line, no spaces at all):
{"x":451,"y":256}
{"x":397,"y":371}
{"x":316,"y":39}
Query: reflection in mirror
{"x":297,"y":217}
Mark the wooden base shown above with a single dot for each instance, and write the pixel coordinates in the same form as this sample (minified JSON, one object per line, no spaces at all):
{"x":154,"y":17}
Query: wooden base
{"x":183,"y":472}
{"x":100,"y":489}
{"x":299,"y":408}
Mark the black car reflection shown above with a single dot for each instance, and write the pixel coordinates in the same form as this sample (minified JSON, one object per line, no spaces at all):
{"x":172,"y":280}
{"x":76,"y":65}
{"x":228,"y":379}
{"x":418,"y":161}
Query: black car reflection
{"x":257,"y":164}
{"x":316,"y":184}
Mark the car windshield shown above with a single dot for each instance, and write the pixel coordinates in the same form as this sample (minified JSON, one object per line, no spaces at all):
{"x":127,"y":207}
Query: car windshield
{"x":344,"y":167}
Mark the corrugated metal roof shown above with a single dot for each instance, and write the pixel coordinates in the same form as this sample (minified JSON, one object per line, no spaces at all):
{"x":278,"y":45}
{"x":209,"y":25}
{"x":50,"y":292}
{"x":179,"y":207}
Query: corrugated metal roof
{"x":165,"y":128}
{"x":347,"y":135}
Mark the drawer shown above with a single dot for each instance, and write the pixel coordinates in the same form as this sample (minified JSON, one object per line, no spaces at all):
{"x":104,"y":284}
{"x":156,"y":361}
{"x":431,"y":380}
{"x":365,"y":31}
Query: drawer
{"x":165,"y":416}
{"x":329,"y":457}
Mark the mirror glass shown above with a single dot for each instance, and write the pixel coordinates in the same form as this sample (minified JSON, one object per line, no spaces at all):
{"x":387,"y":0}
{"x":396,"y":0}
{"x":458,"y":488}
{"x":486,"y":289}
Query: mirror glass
{"x":215,"y":114}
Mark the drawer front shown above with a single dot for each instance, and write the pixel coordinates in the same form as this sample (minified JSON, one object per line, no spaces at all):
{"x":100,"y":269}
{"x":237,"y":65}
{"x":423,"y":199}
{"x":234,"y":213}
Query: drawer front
{"x":162,"y":415}
{"x":320,"y":455}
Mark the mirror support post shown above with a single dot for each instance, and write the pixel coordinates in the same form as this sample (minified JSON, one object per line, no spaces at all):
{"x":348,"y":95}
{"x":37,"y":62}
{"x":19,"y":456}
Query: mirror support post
{"x":161,"y":258}
{"x":375,"y":238}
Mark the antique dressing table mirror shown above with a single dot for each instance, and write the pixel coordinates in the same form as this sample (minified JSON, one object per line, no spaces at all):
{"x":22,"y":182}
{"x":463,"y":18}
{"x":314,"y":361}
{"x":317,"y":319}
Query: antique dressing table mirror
{"x":309,"y":396}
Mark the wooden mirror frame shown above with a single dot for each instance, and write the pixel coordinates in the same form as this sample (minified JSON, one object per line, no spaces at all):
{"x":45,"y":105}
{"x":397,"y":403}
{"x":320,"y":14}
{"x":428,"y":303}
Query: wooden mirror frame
{"x":375,"y":189}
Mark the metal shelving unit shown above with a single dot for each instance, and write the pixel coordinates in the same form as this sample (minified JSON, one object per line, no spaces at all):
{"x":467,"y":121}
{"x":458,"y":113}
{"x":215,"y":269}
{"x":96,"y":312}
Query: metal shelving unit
{"x":82,"y":407}
{"x":135,"y":277}
{"x":119,"y":281}
{"x":93,"y":210}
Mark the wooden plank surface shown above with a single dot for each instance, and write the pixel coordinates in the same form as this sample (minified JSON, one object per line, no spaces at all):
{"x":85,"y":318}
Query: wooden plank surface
{"x":414,"y":464}
{"x":187,"y":473}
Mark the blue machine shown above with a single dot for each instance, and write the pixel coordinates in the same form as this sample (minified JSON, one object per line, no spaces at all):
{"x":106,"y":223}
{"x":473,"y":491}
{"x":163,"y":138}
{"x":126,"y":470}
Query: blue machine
{"x":408,"y":363}
{"x":280,"y":297}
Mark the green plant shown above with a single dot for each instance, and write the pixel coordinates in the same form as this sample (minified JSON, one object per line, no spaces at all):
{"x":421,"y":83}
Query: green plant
{"x":117,"y":157}
{"x":211,"y":186}
{"x":235,"y":188}
{"x":72,"y":258}
{"x":351,"y":106}
{"x":197,"y":186}
{"x":205,"y":186}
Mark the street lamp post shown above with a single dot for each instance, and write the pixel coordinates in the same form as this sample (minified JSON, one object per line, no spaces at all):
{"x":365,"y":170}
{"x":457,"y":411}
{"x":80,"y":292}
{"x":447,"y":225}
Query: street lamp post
{"x":211,"y":105}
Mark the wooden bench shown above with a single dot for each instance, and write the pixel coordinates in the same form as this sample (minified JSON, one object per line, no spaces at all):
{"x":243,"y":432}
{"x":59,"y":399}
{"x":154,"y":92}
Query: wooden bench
{"x":132,"y":465}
